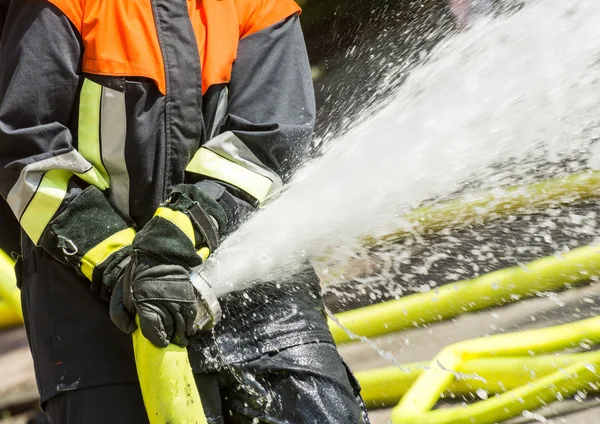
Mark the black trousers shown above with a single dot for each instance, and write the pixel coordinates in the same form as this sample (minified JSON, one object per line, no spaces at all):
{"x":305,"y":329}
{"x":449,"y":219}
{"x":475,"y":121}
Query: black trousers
{"x":303,"y":384}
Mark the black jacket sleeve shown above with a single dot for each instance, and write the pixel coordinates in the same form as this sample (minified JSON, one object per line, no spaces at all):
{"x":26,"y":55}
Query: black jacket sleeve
{"x":267,"y":126}
{"x":42,"y":176}
{"x":272,"y":107}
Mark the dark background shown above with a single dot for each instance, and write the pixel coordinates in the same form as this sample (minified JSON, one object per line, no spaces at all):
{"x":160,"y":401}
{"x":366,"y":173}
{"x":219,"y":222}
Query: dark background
{"x":354,"y":44}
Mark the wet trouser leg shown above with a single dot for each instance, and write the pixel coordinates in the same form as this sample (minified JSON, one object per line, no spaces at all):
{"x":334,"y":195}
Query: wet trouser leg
{"x":304,"y":384}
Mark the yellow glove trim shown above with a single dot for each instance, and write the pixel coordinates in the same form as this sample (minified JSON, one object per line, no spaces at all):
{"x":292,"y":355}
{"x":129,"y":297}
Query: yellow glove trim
{"x":99,"y":253}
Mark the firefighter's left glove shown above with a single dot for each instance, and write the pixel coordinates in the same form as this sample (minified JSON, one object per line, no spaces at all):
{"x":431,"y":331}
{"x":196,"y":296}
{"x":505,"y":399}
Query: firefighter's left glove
{"x":156,"y":284}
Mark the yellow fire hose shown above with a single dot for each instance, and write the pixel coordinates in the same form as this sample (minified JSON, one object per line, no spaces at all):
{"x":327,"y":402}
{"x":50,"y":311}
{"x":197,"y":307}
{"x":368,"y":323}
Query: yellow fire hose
{"x":168,"y":387}
{"x":8,"y":317}
{"x":482,"y":207}
{"x":10,"y":305}
{"x":386,"y":386}
{"x":489,"y":290}
{"x":415,"y":406}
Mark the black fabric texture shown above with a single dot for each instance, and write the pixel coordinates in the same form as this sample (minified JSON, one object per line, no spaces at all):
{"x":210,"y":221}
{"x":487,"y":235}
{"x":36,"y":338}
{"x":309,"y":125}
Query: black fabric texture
{"x":206,"y":225}
{"x":183,"y":105}
{"x":112,"y":404}
{"x":163,"y":241}
{"x":216,"y":200}
{"x":4,"y":5}
{"x":40,"y":53}
{"x":184,"y":196}
{"x":107,"y":274}
{"x":265,"y":318}
{"x":73,"y":341}
{"x":232,"y":200}
{"x":85,"y":222}
{"x":145,"y":146}
{"x":210,"y":101}
{"x":304,"y":384}
{"x":10,"y":234}
{"x":271,"y":97}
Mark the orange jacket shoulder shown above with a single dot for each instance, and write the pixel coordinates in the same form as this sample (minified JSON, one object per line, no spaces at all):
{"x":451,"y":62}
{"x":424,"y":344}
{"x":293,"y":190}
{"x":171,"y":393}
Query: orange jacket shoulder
{"x":119,"y":37}
{"x":73,"y":9}
{"x":256,"y":15}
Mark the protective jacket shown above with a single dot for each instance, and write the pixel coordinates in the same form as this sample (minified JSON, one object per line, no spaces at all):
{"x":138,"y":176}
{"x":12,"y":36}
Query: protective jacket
{"x":127,"y":99}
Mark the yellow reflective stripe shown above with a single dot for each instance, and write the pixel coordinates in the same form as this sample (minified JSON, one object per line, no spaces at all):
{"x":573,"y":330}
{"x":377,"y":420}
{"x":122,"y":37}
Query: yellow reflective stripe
{"x":89,"y":132}
{"x":179,"y":219}
{"x":99,"y":253}
{"x":204,"y":253}
{"x":94,"y":178}
{"x":210,"y":164}
{"x":45,"y":203}
{"x":183,"y":222}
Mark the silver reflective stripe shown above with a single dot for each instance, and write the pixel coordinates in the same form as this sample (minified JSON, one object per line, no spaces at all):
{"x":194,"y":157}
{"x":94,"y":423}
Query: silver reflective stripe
{"x":220,"y":113}
{"x":113,"y":130}
{"x":29,"y":180}
{"x":229,"y":146}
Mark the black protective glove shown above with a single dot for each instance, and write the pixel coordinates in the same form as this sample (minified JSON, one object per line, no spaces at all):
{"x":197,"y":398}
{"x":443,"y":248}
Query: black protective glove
{"x":161,"y":295}
{"x":156,"y":284}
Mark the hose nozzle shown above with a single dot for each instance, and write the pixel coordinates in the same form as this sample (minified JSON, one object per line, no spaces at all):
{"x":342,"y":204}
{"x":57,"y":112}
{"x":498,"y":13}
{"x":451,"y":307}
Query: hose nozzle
{"x":208,"y":308}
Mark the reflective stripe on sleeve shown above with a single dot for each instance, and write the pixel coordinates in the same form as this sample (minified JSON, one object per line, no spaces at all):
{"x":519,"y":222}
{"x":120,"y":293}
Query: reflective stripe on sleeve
{"x":226,"y":158}
{"x":99,"y":253}
{"x":90,"y":102}
{"x":42,"y":185}
{"x":46,"y":201}
{"x":31,"y":176}
{"x":113,"y":134}
{"x":208,"y":163}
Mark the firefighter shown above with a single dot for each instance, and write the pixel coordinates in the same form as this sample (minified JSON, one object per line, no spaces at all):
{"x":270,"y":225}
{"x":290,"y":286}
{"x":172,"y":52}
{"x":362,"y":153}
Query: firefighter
{"x":134,"y":136}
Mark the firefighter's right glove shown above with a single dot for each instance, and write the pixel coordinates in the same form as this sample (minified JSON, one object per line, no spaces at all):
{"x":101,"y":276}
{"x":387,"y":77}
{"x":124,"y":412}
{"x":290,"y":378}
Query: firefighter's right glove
{"x":156,"y":284}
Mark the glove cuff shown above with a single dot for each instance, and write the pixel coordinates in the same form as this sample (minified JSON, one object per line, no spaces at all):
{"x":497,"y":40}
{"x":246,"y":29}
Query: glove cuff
{"x":170,"y":237}
{"x":90,"y":236}
{"x":107,"y":274}
{"x":198,"y":215}
{"x":185,"y":197}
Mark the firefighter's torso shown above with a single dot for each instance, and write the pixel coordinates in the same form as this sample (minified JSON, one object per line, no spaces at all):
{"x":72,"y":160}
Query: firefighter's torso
{"x":154,"y":87}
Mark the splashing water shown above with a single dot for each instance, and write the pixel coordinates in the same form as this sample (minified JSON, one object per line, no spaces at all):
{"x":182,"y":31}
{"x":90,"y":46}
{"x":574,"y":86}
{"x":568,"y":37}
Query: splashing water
{"x":488,"y":105}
